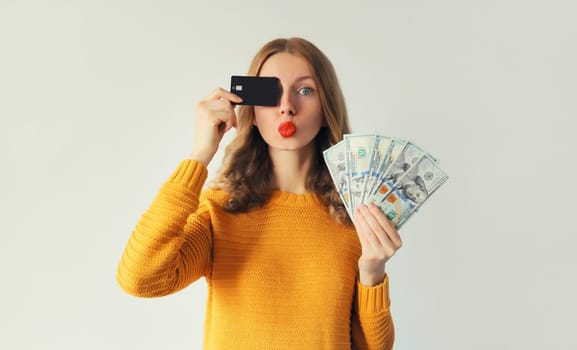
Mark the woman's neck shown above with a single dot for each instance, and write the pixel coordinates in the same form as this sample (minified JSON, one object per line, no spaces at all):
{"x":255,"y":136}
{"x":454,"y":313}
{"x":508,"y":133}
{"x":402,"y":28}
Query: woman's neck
{"x":291,"y":168}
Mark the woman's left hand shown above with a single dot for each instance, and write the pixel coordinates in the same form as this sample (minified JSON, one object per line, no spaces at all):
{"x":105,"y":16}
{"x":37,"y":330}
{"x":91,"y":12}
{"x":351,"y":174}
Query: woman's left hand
{"x":379,"y":242}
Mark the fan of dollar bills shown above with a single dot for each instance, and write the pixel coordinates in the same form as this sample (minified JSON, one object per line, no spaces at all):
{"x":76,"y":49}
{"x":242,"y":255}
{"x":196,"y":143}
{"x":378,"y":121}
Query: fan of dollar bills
{"x":394,"y":174}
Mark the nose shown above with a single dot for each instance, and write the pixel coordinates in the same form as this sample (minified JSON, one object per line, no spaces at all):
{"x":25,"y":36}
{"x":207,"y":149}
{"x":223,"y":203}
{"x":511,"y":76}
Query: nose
{"x":287,"y":106}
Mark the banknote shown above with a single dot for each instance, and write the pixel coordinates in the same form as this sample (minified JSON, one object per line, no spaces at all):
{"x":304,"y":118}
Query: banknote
{"x":386,"y":150}
{"x":408,"y":156}
{"x":359,"y":149}
{"x":381,"y":149}
{"x":335,"y":158}
{"x":412,"y":189}
{"x":395,"y":174}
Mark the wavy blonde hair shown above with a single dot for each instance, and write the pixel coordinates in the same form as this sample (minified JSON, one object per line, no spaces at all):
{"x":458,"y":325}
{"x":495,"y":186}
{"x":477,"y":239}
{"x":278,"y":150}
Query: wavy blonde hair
{"x":246,"y":171}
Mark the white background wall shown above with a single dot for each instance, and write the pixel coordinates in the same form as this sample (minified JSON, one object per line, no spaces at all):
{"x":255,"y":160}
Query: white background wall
{"x":97,"y":106}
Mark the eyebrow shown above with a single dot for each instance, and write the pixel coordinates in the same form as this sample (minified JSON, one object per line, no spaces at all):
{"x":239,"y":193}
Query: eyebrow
{"x":304,"y":77}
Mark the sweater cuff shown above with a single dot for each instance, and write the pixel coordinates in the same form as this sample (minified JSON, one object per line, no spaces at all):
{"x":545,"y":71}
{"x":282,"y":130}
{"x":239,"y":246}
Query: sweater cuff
{"x":190,"y":174}
{"x":375,"y":298}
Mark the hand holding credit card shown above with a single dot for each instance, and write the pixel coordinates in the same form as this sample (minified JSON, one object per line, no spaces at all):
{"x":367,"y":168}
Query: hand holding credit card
{"x":256,"y":91}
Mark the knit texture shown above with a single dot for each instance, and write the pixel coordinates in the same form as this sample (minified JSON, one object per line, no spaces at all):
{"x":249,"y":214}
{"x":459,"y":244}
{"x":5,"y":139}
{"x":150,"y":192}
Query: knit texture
{"x":282,"y":276}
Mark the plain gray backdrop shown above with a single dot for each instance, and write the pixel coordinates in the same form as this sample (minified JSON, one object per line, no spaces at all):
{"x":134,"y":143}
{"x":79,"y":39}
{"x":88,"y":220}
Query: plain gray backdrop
{"x":97,"y":102}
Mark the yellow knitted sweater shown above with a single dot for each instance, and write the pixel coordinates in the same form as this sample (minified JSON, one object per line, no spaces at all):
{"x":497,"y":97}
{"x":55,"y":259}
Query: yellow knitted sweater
{"x":282,"y":276}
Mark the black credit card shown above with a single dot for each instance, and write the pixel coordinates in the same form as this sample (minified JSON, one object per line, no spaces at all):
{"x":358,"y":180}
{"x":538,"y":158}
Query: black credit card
{"x":256,"y":91}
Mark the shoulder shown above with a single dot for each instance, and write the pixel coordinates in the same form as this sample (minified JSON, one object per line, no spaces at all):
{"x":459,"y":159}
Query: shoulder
{"x":213,"y":196}
{"x":211,"y":203}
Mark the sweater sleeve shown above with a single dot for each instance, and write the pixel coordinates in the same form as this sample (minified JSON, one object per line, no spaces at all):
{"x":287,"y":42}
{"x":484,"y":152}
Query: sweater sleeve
{"x":170,"y":246}
{"x":372,"y":324}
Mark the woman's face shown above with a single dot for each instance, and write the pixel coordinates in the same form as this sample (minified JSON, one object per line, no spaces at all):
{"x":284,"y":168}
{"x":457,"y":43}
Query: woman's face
{"x":299,"y":104}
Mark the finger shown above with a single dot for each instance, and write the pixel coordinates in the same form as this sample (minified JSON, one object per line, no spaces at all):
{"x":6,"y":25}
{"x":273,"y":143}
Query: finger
{"x":227,"y":115}
{"x":231,"y":122}
{"x":224,"y":99}
{"x":378,"y":231}
{"x":387,"y":225}
{"x":214,"y":111}
{"x":222,"y":94}
{"x":233,"y":97}
{"x":233,"y":119}
{"x":364,"y":231}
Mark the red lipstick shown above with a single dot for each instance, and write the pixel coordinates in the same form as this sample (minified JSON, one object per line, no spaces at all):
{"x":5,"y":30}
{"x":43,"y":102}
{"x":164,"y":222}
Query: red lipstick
{"x":287,"y":129}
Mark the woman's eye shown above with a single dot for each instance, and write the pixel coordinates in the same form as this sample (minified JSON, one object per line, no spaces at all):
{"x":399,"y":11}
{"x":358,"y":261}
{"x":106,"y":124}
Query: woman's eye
{"x":305,"y":91}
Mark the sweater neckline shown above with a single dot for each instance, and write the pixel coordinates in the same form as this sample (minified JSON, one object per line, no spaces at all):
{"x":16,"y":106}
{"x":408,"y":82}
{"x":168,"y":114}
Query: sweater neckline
{"x":294,"y":199}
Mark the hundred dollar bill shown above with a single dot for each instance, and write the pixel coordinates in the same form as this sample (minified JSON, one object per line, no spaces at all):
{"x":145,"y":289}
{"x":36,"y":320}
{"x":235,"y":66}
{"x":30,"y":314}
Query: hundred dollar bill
{"x":359,"y":149}
{"x":408,"y":156}
{"x":386,"y":150}
{"x":412,"y":190}
{"x":335,"y":158}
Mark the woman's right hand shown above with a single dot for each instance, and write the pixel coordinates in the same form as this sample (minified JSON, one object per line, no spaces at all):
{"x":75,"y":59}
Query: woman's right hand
{"x":214,"y":117}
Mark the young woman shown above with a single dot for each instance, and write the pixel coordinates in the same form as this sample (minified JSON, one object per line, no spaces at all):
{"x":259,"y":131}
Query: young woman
{"x":286,"y":268}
